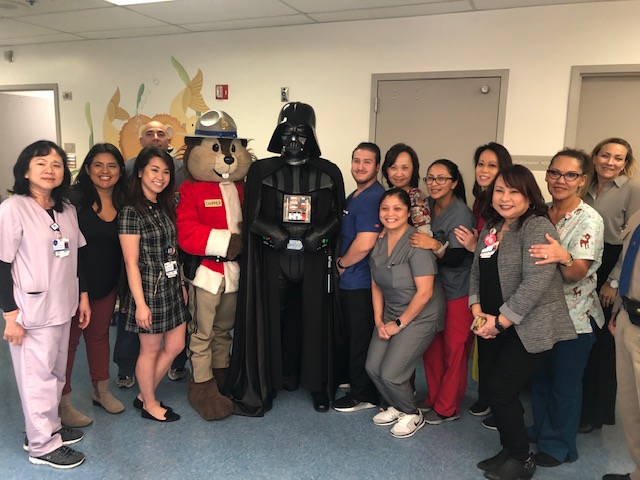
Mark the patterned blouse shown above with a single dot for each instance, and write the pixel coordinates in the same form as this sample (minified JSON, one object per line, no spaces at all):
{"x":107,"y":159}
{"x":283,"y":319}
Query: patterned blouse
{"x":582,"y":235}
{"x":420,"y":213}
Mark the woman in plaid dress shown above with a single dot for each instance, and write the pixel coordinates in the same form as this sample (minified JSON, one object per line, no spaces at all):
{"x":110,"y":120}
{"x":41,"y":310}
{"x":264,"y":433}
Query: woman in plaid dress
{"x":157,"y":310}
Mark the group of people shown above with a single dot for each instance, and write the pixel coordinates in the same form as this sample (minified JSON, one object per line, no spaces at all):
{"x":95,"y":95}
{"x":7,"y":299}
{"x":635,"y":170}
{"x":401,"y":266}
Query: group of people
{"x":335,"y":291}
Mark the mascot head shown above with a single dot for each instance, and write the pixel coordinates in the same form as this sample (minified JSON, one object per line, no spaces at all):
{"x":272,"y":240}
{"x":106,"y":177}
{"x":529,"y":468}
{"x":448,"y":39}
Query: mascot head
{"x":214,"y":153}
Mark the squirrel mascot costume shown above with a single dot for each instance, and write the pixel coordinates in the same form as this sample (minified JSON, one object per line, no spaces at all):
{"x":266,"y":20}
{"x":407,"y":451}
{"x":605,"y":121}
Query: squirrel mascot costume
{"x":209,"y":222}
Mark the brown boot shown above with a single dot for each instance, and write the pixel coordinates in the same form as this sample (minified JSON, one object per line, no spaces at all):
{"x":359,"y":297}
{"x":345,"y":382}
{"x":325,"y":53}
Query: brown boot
{"x":69,"y":416}
{"x":220,"y":375}
{"x":206,"y":399}
{"x":102,"y":398}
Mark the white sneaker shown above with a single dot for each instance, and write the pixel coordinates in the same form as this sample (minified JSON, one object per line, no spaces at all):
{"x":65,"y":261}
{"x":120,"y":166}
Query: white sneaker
{"x":388,"y":417}
{"x":407,"y":425}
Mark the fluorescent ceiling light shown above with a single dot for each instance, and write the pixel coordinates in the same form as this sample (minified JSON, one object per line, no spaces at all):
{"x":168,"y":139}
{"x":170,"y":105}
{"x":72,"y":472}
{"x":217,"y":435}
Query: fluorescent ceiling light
{"x":135,"y":2}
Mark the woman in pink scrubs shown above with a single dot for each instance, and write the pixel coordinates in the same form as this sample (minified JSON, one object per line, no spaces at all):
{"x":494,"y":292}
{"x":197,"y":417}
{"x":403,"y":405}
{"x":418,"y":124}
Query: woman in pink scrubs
{"x":39,"y":293}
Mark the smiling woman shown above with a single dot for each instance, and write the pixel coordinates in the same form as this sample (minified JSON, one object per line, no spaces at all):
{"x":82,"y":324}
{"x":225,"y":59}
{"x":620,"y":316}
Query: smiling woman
{"x":98,"y":194}
{"x":39,"y":293}
{"x":616,"y":197}
{"x":157,"y":307}
{"x":525,"y":317}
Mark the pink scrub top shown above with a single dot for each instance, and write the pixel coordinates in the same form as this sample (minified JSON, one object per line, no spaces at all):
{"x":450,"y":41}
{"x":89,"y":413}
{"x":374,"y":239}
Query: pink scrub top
{"x":45,"y":287}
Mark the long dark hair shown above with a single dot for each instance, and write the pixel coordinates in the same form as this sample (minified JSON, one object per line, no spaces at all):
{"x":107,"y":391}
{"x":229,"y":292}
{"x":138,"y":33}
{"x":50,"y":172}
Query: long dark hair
{"x":504,"y":161}
{"x":137,"y":199}
{"x":520,"y":178}
{"x":392,"y":155}
{"x":89,"y":194}
{"x":454,"y":171}
{"x":41,"y":148}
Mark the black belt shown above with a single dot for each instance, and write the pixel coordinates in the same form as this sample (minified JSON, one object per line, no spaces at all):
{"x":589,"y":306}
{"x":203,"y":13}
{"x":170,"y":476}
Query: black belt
{"x":217,"y":259}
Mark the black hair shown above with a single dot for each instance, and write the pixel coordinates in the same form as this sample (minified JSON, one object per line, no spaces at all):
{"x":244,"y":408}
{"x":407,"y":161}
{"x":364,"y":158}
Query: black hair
{"x":504,"y":161}
{"x":391,"y":157}
{"x":455,"y":174}
{"x":369,"y":146}
{"x":402,"y":194}
{"x":520,"y":178}
{"x":166,"y":200}
{"x":86,"y":187}
{"x":41,"y":148}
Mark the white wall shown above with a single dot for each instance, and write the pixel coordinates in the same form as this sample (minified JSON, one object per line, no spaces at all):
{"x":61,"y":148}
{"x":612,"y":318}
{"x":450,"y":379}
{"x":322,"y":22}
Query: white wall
{"x":330,"y":67}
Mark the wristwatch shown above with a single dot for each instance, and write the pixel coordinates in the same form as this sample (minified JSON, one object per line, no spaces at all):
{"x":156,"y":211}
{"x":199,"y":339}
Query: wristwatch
{"x":399,"y":323}
{"x":499,"y":327}
{"x":614,"y":283}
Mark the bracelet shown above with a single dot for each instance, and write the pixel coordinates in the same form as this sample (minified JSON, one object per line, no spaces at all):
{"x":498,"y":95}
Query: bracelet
{"x":442,"y":248}
{"x":339,"y":263}
{"x":569,"y":262}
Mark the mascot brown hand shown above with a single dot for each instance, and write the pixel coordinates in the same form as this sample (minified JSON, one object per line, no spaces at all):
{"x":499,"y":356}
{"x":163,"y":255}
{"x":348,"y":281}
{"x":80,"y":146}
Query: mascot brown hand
{"x":209,"y":216}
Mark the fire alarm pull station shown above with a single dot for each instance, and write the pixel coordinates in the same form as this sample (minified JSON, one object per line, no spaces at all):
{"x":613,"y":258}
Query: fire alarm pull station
{"x":222,"y":92}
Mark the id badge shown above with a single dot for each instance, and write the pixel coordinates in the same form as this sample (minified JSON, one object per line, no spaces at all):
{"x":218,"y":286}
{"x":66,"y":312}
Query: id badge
{"x":489,"y":250}
{"x":297,"y":209}
{"x":61,"y":247}
{"x":171,"y":269}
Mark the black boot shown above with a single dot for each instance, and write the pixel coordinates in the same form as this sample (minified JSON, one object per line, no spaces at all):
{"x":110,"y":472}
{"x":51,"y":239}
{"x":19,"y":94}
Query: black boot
{"x":512,"y":469}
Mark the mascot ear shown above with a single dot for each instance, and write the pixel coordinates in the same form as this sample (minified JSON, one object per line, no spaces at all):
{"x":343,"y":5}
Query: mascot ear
{"x":244,"y":142}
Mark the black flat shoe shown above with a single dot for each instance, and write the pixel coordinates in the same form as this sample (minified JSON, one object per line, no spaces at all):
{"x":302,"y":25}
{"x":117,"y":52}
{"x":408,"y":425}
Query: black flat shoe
{"x":169,"y":416}
{"x":493,"y":462}
{"x":137,"y":404}
{"x":545,"y":460}
{"x":586,"y":427}
{"x":320,"y":401}
{"x":290,"y":384}
{"x":512,"y":469}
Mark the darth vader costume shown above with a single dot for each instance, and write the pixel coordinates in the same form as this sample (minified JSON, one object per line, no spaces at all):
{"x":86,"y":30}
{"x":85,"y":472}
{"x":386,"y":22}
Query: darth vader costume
{"x":286,"y":299}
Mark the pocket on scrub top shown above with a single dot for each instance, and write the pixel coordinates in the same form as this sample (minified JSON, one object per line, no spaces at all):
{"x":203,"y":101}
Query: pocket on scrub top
{"x":401,"y":276}
{"x":35,"y":309}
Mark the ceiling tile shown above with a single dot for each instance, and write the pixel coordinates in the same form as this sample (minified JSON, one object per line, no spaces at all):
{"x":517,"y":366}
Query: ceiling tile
{"x":249,"y":23}
{"x":14,"y":29}
{"x":133,"y":32}
{"x":40,"y":39}
{"x":47,"y":6}
{"x":394,"y":12}
{"x":191,"y":11}
{"x":314,"y":6}
{"x":96,"y":19}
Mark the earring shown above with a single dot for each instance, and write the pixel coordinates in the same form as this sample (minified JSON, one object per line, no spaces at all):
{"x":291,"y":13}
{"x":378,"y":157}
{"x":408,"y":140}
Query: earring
{"x":531,"y":206}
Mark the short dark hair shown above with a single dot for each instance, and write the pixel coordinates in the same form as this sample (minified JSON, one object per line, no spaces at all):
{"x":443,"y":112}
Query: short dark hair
{"x":520,"y":178}
{"x":391,"y":157}
{"x":89,"y":194}
{"x":504,"y":161}
{"x":369,"y":146}
{"x":41,"y":148}
{"x":166,"y":200}
{"x":454,"y":171}
{"x":401,"y":193}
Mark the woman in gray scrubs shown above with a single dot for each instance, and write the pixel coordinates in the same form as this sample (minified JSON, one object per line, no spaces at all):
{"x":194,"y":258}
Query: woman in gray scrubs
{"x":408,"y":306}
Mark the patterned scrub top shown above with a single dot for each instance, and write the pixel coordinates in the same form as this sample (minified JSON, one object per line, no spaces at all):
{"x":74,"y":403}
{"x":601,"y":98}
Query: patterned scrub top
{"x":158,"y":244}
{"x":582,"y":235}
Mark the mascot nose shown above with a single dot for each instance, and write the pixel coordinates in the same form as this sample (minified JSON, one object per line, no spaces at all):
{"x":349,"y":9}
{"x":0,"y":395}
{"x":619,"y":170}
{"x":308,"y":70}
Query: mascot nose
{"x":229,"y":160}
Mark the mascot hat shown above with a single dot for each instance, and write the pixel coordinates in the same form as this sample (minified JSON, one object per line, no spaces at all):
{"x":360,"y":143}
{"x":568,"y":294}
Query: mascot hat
{"x":296,"y":114}
{"x":215,"y":124}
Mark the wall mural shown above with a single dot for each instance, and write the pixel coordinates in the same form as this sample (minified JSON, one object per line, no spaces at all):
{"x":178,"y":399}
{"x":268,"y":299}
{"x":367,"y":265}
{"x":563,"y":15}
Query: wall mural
{"x":121,"y":128}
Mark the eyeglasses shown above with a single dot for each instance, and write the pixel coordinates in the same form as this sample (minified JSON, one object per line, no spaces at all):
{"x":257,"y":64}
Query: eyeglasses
{"x":569,"y":176}
{"x":438,"y":180}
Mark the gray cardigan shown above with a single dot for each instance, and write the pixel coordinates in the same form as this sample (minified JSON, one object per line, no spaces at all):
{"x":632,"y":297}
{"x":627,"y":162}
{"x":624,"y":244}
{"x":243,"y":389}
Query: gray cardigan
{"x":532,"y":294}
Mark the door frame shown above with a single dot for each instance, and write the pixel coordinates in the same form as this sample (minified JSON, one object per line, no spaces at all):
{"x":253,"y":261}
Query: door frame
{"x":579,"y":72}
{"x":502,"y":107}
{"x":35,"y":87}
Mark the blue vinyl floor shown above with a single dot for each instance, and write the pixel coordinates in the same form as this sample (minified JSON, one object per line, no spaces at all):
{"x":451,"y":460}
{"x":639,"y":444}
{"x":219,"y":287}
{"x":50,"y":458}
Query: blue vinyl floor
{"x":291,"y":442}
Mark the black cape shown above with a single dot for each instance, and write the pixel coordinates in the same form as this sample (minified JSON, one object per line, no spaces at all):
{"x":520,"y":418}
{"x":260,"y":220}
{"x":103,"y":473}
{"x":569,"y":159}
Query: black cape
{"x":255,"y":373}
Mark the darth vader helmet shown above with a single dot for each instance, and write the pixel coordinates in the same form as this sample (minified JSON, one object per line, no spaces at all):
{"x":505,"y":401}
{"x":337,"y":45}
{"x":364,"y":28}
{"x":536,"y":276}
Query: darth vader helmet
{"x":295,"y":136}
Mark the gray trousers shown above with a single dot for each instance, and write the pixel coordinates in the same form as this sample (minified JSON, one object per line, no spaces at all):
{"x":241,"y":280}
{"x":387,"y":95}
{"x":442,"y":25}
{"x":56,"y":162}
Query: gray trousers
{"x":390,"y":363}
